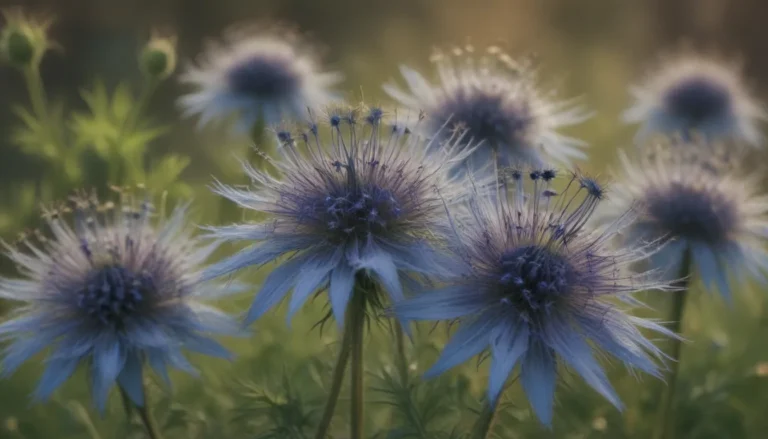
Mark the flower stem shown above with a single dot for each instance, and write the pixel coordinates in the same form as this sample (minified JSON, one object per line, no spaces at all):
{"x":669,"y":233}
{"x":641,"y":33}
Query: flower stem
{"x":150,"y":424}
{"x":485,"y":421}
{"x":402,"y":360}
{"x":338,"y":375}
{"x":666,"y":408}
{"x":363,"y":286}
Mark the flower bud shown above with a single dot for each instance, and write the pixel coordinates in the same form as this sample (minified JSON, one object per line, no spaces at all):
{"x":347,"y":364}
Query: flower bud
{"x":158,"y":59}
{"x":23,"y":41}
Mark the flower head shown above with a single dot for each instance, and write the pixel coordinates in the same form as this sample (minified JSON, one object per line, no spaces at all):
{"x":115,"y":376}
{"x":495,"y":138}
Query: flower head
{"x":24,"y":40}
{"x":267,"y":75}
{"x":531,"y":284}
{"x":364,"y":201}
{"x":111,"y":291}
{"x":498,"y":103}
{"x":692,"y":94}
{"x":701,"y":207}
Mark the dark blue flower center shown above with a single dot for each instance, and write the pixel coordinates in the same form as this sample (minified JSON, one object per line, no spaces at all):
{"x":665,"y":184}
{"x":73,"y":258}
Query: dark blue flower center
{"x":361,"y":212}
{"x":486,"y":116}
{"x":693,"y":213}
{"x":113,"y":293}
{"x":264,"y":77}
{"x":698,"y":99}
{"x":533,"y":278}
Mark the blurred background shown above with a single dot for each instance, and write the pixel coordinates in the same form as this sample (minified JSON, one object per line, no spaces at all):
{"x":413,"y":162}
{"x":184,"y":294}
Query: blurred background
{"x":593,"y":49}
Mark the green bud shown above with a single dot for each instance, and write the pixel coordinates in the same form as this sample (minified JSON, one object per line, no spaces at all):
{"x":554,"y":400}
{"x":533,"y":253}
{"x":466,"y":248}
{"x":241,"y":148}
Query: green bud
{"x":158,"y":59}
{"x":18,"y":48}
{"x":24,"y":40}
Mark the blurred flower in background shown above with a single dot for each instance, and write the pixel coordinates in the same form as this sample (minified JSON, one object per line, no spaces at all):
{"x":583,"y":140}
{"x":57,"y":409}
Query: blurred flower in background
{"x":533,"y":288}
{"x":687,"y":94}
{"x":498,"y":102}
{"x":367,"y":200}
{"x":261,"y":75}
{"x":24,"y":40}
{"x":111,"y":291}
{"x":701,"y":205}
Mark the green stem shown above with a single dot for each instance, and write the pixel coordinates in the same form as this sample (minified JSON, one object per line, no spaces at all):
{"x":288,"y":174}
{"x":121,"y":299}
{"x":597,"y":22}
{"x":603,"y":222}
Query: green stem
{"x":260,"y":144}
{"x":485,"y":421}
{"x":363,"y":287}
{"x":665,"y":423}
{"x":338,"y":375}
{"x":127,"y":404}
{"x":127,"y":126}
{"x":39,"y":101}
{"x":402,"y":360}
{"x":153,"y":430}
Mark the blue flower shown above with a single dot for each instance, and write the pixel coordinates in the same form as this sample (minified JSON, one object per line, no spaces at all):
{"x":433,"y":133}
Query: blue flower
{"x":689,"y":94}
{"x":533,"y":285}
{"x":499,"y":105}
{"x":701,"y":205}
{"x":112,"y":293}
{"x":269,"y":75}
{"x":364,"y":201}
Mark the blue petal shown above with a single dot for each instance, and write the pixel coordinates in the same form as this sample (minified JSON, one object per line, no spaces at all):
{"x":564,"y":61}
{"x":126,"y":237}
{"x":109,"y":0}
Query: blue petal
{"x":575,"y":351}
{"x":471,"y":339}
{"x":443,"y":304}
{"x":342,"y":282}
{"x":158,"y":363}
{"x":20,"y":351}
{"x":254,"y":256}
{"x":108,"y":361}
{"x":211,"y":320}
{"x":131,"y":379}
{"x":311,"y":277}
{"x":507,"y":346}
{"x":538,"y":376}
{"x":56,"y":373}
{"x":206,"y":346}
{"x":382,"y":265}
{"x":275,"y":287}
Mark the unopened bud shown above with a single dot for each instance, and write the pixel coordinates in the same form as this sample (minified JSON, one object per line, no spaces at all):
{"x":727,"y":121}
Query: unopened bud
{"x":158,"y":59}
{"x":23,"y":41}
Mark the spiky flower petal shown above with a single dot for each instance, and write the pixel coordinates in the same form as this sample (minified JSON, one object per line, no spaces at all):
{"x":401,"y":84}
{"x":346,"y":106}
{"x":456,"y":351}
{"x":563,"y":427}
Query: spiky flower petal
{"x":498,"y":102}
{"x":532,"y":284}
{"x":689,"y":94}
{"x":268,"y":75}
{"x":701,"y":206}
{"x":111,"y":292}
{"x":364,"y":201}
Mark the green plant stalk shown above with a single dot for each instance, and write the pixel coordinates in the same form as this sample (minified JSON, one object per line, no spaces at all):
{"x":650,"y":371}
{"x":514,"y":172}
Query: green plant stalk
{"x":402,"y":359}
{"x":127,"y":404}
{"x":337,"y":380}
{"x":39,"y":102}
{"x":145,"y":413}
{"x":357,"y":325}
{"x":127,"y":126}
{"x":665,"y":423}
{"x":484,"y":423}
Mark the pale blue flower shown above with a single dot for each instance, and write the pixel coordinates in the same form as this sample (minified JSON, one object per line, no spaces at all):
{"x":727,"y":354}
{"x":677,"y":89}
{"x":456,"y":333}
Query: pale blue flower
{"x":700,"y":205}
{"x":364,"y":198}
{"x":689,"y":94}
{"x":267,"y":74}
{"x":535,"y":286}
{"x":499,"y":104}
{"x":111,"y":292}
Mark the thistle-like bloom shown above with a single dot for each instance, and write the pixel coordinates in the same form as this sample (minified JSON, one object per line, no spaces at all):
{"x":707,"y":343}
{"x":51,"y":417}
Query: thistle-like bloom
{"x":692,"y":94}
{"x":268,"y":75}
{"x":498,"y":103}
{"x":533,"y":284}
{"x":111,"y":292}
{"x":704,"y":208}
{"x":364,"y":201}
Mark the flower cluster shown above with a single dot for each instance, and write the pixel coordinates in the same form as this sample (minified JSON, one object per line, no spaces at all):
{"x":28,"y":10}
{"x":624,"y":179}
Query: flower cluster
{"x":263,"y":76}
{"x":531,"y":284}
{"x":703,"y":209}
{"x":112,"y":291}
{"x":498,"y":103}
{"x":365,"y":200}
